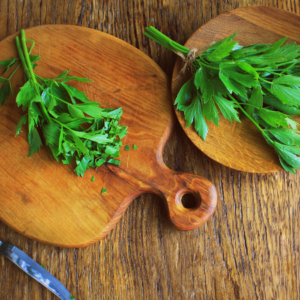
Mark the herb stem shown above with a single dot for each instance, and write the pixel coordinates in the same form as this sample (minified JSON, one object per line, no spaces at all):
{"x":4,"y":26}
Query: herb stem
{"x":203,"y":63}
{"x":270,"y":82}
{"x":39,"y":78}
{"x":287,"y":68}
{"x":249,"y":105}
{"x":22,"y":58}
{"x":277,"y":74}
{"x":251,"y":119}
{"x":246,"y":114}
{"x":31,"y":76}
{"x":13,"y":73}
{"x":27,"y":59}
{"x":61,"y":100}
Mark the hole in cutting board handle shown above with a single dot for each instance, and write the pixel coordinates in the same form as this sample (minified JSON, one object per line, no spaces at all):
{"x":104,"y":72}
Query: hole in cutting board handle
{"x":189,"y":201}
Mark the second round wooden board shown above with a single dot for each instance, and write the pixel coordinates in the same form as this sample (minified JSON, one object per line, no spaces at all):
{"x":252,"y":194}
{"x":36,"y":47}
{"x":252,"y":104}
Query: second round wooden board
{"x":45,"y":200}
{"x":238,"y":145}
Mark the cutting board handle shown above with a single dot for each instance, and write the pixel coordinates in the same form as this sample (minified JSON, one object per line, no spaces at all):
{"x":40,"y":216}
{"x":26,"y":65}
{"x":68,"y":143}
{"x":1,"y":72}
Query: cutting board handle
{"x":191,"y":200}
{"x":174,"y":187}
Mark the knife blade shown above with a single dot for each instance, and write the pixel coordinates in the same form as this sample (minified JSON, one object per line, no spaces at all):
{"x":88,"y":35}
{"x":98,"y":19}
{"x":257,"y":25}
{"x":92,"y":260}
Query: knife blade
{"x":33,"y":269}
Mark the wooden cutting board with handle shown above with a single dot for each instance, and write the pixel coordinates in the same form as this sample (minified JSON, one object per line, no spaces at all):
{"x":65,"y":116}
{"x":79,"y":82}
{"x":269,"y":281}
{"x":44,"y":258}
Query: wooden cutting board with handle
{"x":45,"y":200}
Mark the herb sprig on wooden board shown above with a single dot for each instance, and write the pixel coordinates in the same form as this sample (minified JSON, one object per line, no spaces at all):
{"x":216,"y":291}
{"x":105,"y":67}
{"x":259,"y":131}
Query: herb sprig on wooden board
{"x":260,"y":82}
{"x":73,"y":128}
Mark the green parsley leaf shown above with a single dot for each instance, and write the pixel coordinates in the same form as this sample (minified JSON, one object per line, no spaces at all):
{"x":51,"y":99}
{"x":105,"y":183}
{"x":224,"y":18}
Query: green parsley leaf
{"x":51,"y":133}
{"x":134,"y":147}
{"x":100,"y":162}
{"x":93,"y":178}
{"x":93,"y":109}
{"x":8,"y":64}
{"x":227,"y":108}
{"x":192,"y":113}
{"x":127,"y":148}
{"x":68,"y":78}
{"x":276,"y":46}
{"x":256,"y":100}
{"x":222,"y":49}
{"x":292,"y":123}
{"x":266,"y":59}
{"x":75,"y":112}
{"x":247,"y":68}
{"x":287,"y":80}
{"x":62,"y":75}
{"x":286,"y":136}
{"x":23,"y":120}
{"x":287,"y":153}
{"x":286,"y":95}
{"x":26,"y":94}
{"x":79,"y":144}
{"x":202,"y":81}
{"x":245,"y":80}
{"x":82,"y":165}
{"x":278,"y":105}
{"x":273,"y":118}
{"x":290,"y":51}
{"x":4,"y":92}
{"x":211,"y":112}
{"x":74,"y":93}
{"x":287,"y":167}
{"x":114,"y":162}
{"x":36,"y":142}
{"x":103,"y":191}
{"x":232,"y":86}
{"x":186,"y":93}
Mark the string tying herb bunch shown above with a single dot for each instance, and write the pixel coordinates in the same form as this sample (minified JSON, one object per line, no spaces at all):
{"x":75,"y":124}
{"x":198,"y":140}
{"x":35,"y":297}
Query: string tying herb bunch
{"x":73,"y":128}
{"x":260,"y":82}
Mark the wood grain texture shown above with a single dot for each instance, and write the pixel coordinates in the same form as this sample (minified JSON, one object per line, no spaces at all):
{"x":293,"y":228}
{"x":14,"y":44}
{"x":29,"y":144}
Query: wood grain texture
{"x":249,"y":249}
{"x":225,"y":143}
{"x":50,"y":196}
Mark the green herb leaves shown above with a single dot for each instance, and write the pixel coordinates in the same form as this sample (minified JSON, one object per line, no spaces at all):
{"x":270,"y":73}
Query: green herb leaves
{"x":227,"y":108}
{"x":72,"y":127}
{"x":260,"y":82}
{"x":36,"y":142}
{"x":4,"y":92}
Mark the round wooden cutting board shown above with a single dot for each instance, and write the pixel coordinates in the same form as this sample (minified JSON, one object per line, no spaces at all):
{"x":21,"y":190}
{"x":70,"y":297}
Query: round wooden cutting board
{"x":238,"y":145}
{"x":45,"y":200}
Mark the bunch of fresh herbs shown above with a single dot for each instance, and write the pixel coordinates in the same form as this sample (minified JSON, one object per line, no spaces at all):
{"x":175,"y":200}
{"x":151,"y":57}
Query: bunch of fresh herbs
{"x":72,"y":126}
{"x":260,"y":82}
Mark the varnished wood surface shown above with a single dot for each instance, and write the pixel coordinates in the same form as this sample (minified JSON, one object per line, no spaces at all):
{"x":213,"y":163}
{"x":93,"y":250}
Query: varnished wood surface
{"x":50,"y":196}
{"x":249,"y":249}
{"x":264,"y":25}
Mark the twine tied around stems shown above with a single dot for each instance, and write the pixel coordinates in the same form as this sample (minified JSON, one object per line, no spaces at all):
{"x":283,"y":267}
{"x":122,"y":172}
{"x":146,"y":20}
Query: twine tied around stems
{"x":191,"y":56}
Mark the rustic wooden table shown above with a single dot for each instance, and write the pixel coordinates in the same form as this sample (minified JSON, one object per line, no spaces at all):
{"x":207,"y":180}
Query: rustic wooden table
{"x":248,"y":250}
